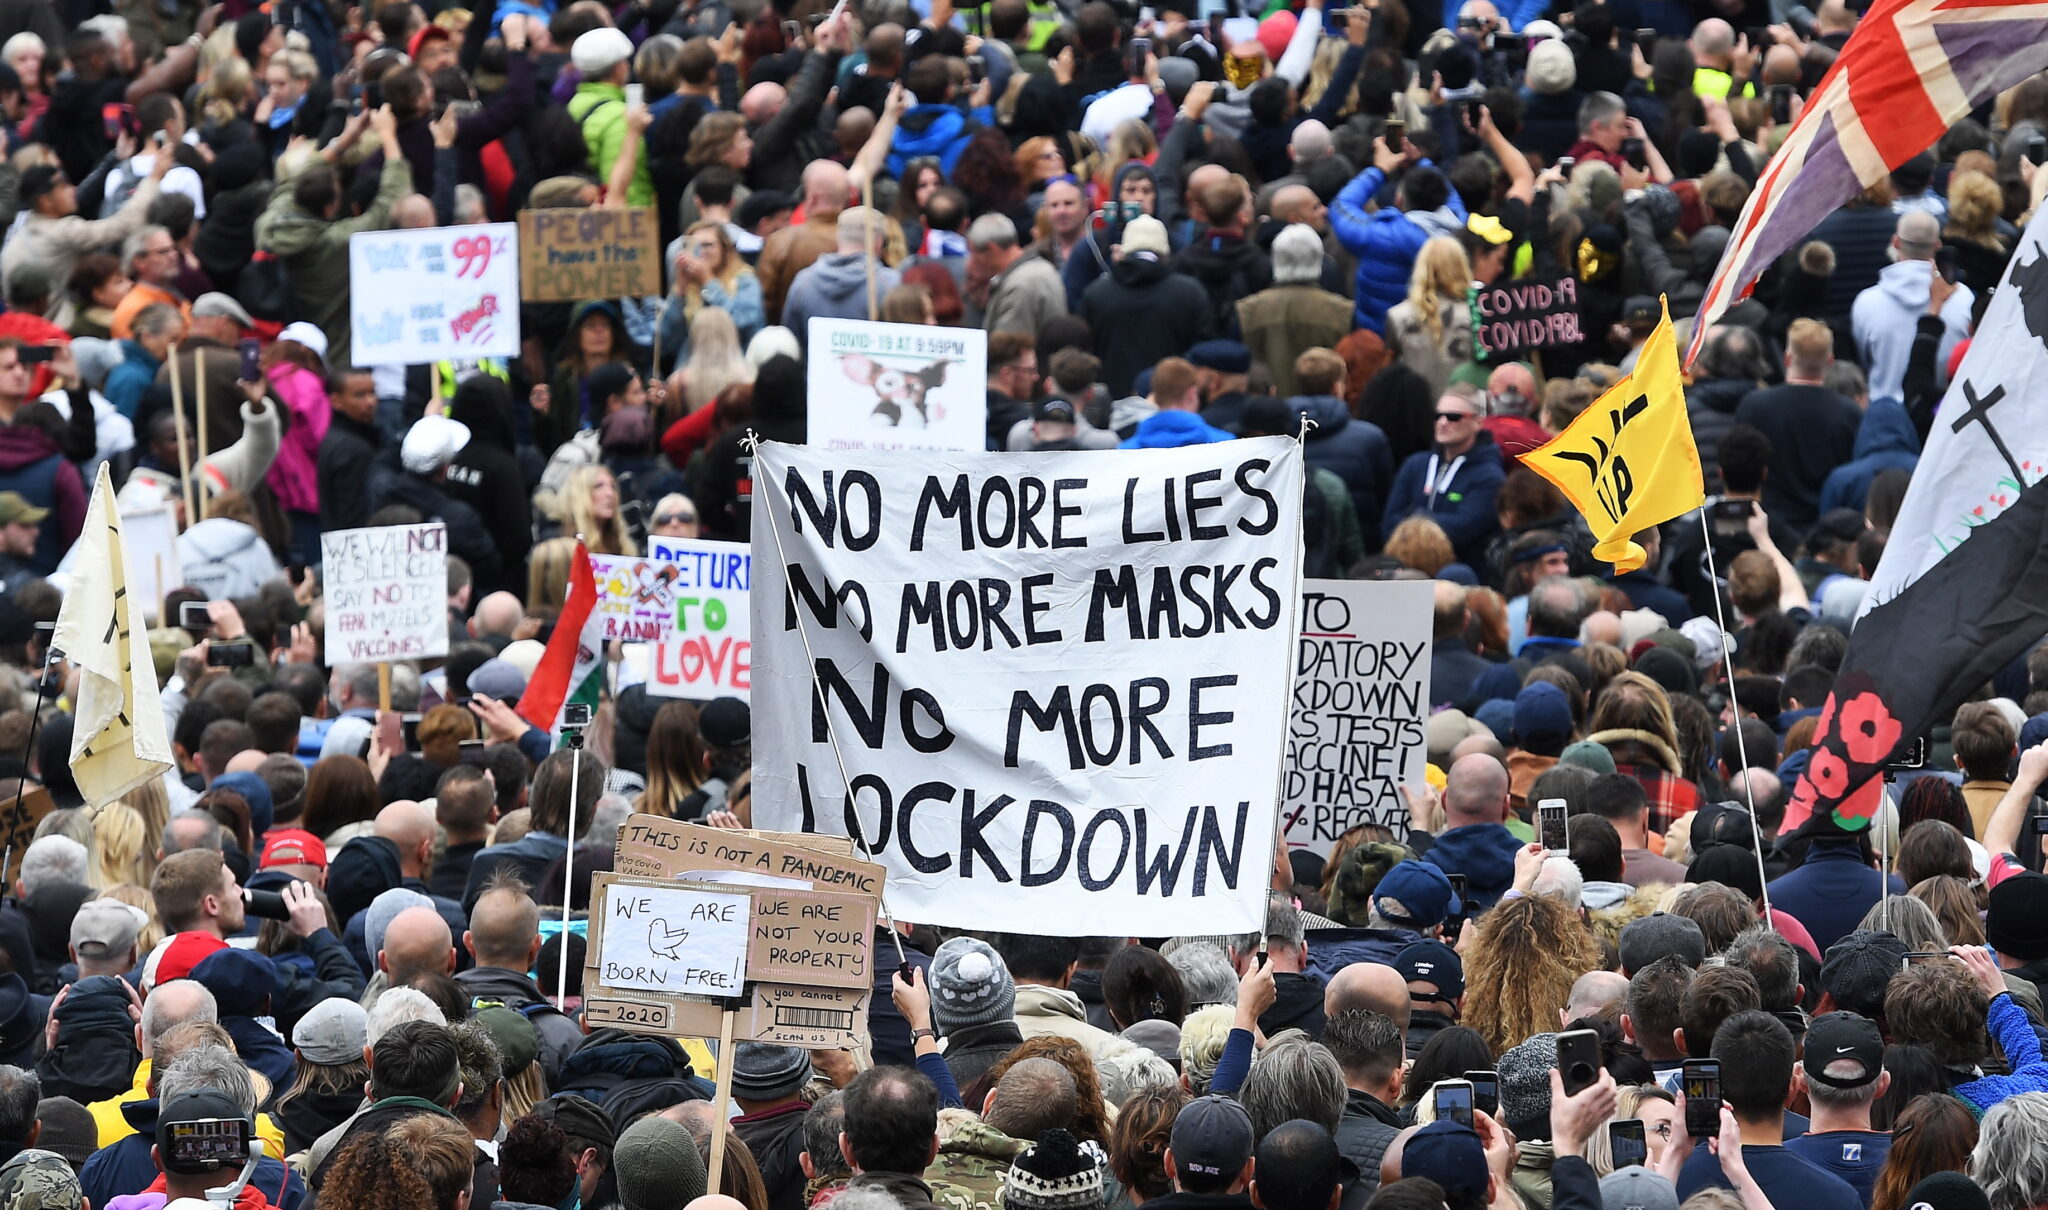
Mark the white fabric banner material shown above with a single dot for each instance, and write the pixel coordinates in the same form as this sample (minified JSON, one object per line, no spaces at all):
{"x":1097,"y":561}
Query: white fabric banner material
{"x":1058,"y":682}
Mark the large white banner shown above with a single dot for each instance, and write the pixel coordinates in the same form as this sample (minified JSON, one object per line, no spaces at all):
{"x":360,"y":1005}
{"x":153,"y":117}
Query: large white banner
{"x":431,"y":293}
{"x":1361,"y":692}
{"x":1059,"y":682}
{"x":1990,"y":437}
{"x":883,"y":386}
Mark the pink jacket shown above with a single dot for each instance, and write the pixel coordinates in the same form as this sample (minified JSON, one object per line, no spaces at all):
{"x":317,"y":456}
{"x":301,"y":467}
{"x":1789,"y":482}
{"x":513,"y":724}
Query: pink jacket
{"x":294,"y":475}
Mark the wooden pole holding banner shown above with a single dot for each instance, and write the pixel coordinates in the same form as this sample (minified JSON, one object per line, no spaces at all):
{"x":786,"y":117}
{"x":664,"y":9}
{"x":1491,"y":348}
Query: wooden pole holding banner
{"x":384,"y":686}
{"x":198,"y":412}
{"x":185,"y":472}
{"x":867,"y":201}
{"x":721,"y":1099}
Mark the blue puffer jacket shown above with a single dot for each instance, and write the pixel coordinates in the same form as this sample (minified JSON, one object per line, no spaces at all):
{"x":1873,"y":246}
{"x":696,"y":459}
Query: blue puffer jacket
{"x":939,"y":130}
{"x":1386,"y":241}
{"x":1484,"y":853}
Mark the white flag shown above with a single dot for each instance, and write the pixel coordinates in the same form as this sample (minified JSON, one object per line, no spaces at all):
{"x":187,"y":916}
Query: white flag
{"x":1990,"y":436}
{"x":119,"y":741}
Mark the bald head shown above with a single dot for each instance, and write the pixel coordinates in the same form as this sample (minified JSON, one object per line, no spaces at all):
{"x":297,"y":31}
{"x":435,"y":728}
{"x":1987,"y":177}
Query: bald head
{"x":1476,"y":790}
{"x":1758,"y":785}
{"x":416,"y":942}
{"x":1368,"y":985}
{"x":504,"y":929}
{"x":248,"y":760}
{"x":1713,"y":39}
{"x":825,"y":185}
{"x":1601,"y":626}
{"x":762,"y":102}
{"x":413,"y":211}
{"x":1205,"y":176}
{"x":1295,"y":204}
{"x":1310,"y":142}
{"x":1482,"y":745}
{"x":1596,"y":994}
{"x":499,"y":613}
{"x":1917,"y":236}
{"x":1781,"y":66}
{"x":410,"y":827}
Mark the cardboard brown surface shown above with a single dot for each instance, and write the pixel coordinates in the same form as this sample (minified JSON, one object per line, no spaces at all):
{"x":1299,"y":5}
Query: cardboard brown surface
{"x":18,"y":819}
{"x":653,"y":846}
{"x":601,"y":252}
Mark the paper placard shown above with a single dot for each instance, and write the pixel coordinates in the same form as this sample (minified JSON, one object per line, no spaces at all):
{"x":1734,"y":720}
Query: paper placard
{"x":1047,"y":687}
{"x":654,"y":846}
{"x":674,"y":940}
{"x":387,"y":593}
{"x":599,"y":252}
{"x":884,"y":386}
{"x":811,"y":937}
{"x":687,"y":602}
{"x":424,"y":294}
{"x":1361,"y":693}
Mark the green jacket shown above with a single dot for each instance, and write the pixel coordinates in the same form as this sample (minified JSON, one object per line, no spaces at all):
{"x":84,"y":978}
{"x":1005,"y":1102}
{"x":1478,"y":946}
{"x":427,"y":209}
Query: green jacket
{"x":971,"y":1167}
{"x":315,"y":251}
{"x":600,"y":109}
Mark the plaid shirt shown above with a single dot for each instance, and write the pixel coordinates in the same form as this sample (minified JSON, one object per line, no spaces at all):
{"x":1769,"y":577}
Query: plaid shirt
{"x":1670,"y":797}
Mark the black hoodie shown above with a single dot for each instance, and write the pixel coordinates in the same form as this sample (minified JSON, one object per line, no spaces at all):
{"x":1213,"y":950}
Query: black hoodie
{"x":49,"y":913}
{"x":725,"y":492}
{"x":1142,"y":313}
{"x":486,"y":476}
{"x":1297,"y":1004}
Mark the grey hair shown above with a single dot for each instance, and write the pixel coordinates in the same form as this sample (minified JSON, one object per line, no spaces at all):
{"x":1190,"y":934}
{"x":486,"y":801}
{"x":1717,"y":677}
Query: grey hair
{"x":1908,"y":919}
{"x":1297,"y":255}
{"x":1599,"y":107}
{"x":136,"y":244}
{"x":208,"y":1068}
{"x":992,"y":230}
{"x":822,"y":1124}
{"x":1293,"y":1080}
{"x":401,"y":1004}
{"x":2011,"y":1158}
{"x":1560,"y":879}
{"x":158,"y":1018}
{"x":606,"y":819}
{"x":1126,"y":1073}
{"x":469,"y":200}
{"x":1283,"y":923}
{"x":482,"y":1066}
{"x":1206,"y":973}
{"x":212,"y":837}
{"x":157,"y":319}
{"x":114,"y":29}
{"x":19,"y":1092}
{"x":51,"y":860}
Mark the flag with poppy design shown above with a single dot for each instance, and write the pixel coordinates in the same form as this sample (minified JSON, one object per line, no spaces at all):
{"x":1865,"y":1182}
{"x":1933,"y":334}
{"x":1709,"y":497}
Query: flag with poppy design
{"x":1921,"y":654}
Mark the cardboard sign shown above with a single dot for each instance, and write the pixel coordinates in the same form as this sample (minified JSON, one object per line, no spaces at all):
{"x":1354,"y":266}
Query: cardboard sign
{"x":387,"y":592}
{"x":812,"y":937}
{"x":883,"y":386}
{"x":815,"y":1018}
{"x":653,"y":846}
{"x":601,"y":252}
{"x":425,"y":294}
{"x":688,"y":602}
{"x":18,"y":819}
{"x":1361,"y":693}
{"x":1526,"y":315}
{"x":1046,"y":687}
{"x":672,"y":939}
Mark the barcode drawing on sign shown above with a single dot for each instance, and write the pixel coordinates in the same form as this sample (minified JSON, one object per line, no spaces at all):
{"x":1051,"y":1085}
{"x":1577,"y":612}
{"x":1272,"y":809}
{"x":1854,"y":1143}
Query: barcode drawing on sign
{"x":813,"y":1018}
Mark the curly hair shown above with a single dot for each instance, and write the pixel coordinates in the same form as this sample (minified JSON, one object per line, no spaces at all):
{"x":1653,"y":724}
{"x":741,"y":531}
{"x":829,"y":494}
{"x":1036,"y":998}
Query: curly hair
{"x":1523,"y":962}
{"x":1975,"y":204}
{"x":1091,"y":1119}
{"x":368,"y":1172}
{"x":987,"y":172}
{"x":439,"y":1149}
{"x":534,"y":1164}
{"x":1938,"y":1005}
{"x":1137,"y":1144}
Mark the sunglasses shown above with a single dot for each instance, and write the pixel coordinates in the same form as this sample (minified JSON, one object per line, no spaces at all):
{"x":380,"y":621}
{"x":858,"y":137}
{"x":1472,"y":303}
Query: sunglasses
{"x":676,"y":519}
{"x":1455,"y":417}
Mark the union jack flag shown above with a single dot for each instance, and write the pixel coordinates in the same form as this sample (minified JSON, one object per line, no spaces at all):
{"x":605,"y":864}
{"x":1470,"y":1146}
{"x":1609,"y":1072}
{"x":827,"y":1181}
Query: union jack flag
{"x":1911,"y":70}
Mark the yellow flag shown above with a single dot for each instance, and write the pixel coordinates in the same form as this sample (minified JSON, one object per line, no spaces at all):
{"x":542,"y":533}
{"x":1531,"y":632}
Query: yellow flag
{"x":1628,"y":461}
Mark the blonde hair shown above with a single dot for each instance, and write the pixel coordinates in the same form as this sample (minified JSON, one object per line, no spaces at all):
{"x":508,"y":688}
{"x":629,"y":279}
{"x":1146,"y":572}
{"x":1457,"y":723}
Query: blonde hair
{"x":1974,"y":204}
{"x":1442,"y":275}
{"x":523,"y":1091}
{"x":1523,"y":961}
{"x":153,"y":803}
{"x":1202,"y":1037}
{"x":602,"y":537}
{"x":227,"y":91}
{"x":1628,"y":1107}
{"x":547,"y":573}
{"x":1421,"y":543}
{"x":1329,"y":53}
{"x":716,"y":359}
{"x":139,"y":897}
{"x":120,"y":841}
{"x":1131,"y":139}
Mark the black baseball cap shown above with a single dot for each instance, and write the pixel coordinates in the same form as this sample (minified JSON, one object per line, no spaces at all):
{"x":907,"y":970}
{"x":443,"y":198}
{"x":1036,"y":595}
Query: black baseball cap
{"x":1053,"y":410}
{"x":1837,"y":1039}
{"x":1212,"y":1137}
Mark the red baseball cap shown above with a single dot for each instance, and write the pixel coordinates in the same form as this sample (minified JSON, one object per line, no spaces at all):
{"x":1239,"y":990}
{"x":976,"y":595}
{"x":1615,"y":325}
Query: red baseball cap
{"x":185,"y":951}
{"x":292,"y":846}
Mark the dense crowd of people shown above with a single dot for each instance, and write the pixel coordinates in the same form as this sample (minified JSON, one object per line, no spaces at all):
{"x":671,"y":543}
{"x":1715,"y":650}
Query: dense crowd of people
{"x":340,"y":936}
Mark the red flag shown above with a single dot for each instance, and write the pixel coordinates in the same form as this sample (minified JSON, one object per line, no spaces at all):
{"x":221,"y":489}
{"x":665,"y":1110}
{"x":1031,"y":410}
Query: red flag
{"x":1912,"y":69}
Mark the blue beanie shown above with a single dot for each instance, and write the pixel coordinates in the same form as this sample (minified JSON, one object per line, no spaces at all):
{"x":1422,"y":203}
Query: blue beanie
{"x":262,"y":811}
{"x":1543,"y":715}
{"x":1499,"y":716}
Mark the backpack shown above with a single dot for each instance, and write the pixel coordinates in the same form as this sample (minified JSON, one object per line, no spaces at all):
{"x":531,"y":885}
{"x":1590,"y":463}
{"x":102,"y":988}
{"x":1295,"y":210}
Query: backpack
{"x":629,"y":1074}
{"x":265,"y":287}
{"x":580,"y":450}
{"x":583,"y":128}
{"x":121,"y":185}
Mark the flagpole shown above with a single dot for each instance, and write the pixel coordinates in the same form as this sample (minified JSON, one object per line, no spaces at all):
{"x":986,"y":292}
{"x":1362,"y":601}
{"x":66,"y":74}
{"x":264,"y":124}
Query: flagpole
{"x":1741,"y":746}
{"x":572,"y":740}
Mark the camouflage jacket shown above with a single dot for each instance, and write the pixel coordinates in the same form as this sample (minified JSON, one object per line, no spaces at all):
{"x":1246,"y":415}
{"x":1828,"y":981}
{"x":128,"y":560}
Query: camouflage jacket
{"x":971,"y":1167}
